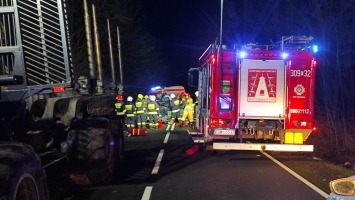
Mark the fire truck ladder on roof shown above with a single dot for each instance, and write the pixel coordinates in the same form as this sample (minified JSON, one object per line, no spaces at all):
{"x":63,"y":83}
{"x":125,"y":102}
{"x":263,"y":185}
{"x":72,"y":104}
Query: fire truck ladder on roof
{"x":298,"y":42}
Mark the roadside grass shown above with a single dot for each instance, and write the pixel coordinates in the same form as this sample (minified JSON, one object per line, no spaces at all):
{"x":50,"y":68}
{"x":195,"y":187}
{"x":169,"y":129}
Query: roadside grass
{"x":319,"y":167}
{"x":317,"y":171}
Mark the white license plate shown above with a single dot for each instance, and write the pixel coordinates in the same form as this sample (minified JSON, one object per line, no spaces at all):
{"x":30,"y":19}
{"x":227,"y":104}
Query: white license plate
{"x":224,"y":132}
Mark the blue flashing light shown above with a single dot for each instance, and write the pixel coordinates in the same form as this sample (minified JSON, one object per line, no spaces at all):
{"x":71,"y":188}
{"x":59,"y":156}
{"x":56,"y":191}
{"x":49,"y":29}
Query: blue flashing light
{"x":284,"y":55}
{"x":155,"y":88}
{"x":242,"y":54}
{"x":315,"y":48}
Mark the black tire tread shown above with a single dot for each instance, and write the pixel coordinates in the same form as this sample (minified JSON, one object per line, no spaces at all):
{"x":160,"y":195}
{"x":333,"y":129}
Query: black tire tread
{"x":90,"y":151}
{"x":16,"y":159}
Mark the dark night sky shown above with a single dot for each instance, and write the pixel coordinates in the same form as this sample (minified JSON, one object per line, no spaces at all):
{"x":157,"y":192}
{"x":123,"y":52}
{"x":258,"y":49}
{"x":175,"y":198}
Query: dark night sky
{"x":185,"y":28}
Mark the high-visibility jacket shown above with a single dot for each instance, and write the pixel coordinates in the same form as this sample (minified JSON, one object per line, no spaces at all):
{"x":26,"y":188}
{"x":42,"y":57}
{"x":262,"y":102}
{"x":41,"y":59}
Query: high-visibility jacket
{"x":120,"y":108}
{"x":153,"y":108}
{"x":175,"y":105}
{"x":139,"y":106}
{"x":130,"y":109}
{"x":145,"y":102}
{"x":189,"y":101}
{"x":189,"y":105}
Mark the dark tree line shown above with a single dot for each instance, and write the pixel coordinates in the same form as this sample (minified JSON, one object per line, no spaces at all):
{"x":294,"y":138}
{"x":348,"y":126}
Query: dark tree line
{"x":141,"y":55}
{"x":335,"y":84}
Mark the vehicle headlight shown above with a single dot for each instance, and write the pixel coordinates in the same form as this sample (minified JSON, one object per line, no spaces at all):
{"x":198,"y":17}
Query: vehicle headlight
{"x":343,"y":186}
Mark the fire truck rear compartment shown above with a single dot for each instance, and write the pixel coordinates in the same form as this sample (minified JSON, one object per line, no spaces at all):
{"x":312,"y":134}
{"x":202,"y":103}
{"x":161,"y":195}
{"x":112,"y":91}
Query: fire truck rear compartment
{"x":262,"y":89}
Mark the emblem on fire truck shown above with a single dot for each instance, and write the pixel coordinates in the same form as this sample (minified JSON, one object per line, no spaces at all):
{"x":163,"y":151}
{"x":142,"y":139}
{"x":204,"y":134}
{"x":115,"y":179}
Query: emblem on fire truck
{"x":299,"y":89}
{"x":262,"y":85}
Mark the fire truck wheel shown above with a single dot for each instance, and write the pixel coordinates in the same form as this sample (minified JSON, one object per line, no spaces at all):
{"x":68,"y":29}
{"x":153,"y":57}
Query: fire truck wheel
{"x":91,"y":151}
{"x":21,"y":173}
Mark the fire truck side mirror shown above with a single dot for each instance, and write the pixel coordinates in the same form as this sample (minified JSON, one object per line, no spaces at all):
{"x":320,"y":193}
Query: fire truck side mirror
{"x":193,"y":77}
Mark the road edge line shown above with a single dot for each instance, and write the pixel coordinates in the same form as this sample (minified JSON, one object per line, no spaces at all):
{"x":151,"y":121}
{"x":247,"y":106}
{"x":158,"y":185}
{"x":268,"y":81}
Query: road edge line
{"x":299,"y":177}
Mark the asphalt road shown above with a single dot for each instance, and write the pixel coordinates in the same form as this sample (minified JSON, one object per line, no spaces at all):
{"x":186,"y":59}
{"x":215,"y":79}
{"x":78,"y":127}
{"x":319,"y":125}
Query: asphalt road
{"x":157,"y":167}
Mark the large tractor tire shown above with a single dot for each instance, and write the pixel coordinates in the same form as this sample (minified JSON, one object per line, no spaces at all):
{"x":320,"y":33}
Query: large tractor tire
{"x":93,"y":151}
{"x":21,"y":174}
{"x":117,"y":131}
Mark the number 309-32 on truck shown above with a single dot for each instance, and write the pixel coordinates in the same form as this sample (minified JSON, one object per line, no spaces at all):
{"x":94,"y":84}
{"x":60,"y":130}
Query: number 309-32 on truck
{"x":256,"y":97}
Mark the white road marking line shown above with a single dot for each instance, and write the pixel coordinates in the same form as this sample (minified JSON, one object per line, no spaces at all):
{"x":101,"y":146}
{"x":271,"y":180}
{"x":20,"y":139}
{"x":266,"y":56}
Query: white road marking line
{"x":158,"y":161}
{"x":166,"y":137}
{"x":147,"y":192}
{"x":167,"y":127}
{"x":54,"y":161}
{"x":173,"y":126}
{"x":309,"y":184}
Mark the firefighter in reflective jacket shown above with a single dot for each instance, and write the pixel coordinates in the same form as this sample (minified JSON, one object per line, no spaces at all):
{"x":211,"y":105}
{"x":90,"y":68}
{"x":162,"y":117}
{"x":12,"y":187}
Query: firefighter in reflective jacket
{"x":145,"y":101}
{"x":188,"y":110}
{"x":120,"y":110}
{"x":130,"y":108}
{"x":140,"y":112}
{"x":153,"y":109}
{"x":175,"y":108}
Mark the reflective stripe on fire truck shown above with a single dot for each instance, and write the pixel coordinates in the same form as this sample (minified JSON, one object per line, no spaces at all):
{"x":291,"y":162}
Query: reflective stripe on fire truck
{"x":263,"y":147}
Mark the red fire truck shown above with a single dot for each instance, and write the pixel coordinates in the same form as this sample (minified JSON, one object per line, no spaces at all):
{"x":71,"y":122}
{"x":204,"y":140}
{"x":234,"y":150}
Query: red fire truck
{"x":256,"y":97}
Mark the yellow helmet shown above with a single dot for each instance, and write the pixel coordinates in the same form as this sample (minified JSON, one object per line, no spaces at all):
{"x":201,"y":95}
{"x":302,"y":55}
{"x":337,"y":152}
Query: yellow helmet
{"x":140,"y":96}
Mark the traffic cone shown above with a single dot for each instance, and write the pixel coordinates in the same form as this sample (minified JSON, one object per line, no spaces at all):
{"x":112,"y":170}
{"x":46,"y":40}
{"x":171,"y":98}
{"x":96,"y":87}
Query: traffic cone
{"x":160,"y":124}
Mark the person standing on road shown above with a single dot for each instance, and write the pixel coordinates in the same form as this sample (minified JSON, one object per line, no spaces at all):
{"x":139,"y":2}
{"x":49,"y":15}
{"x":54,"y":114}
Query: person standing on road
{"x":140,"y":111}
{"x":182,"y":104}
{"x":175,"y":108}
{"x":120,"y":111}
{"x":188,"y":110}
{"x":130,"y":108}
{"x":153,"y":108}
{"x":164,"y":108}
